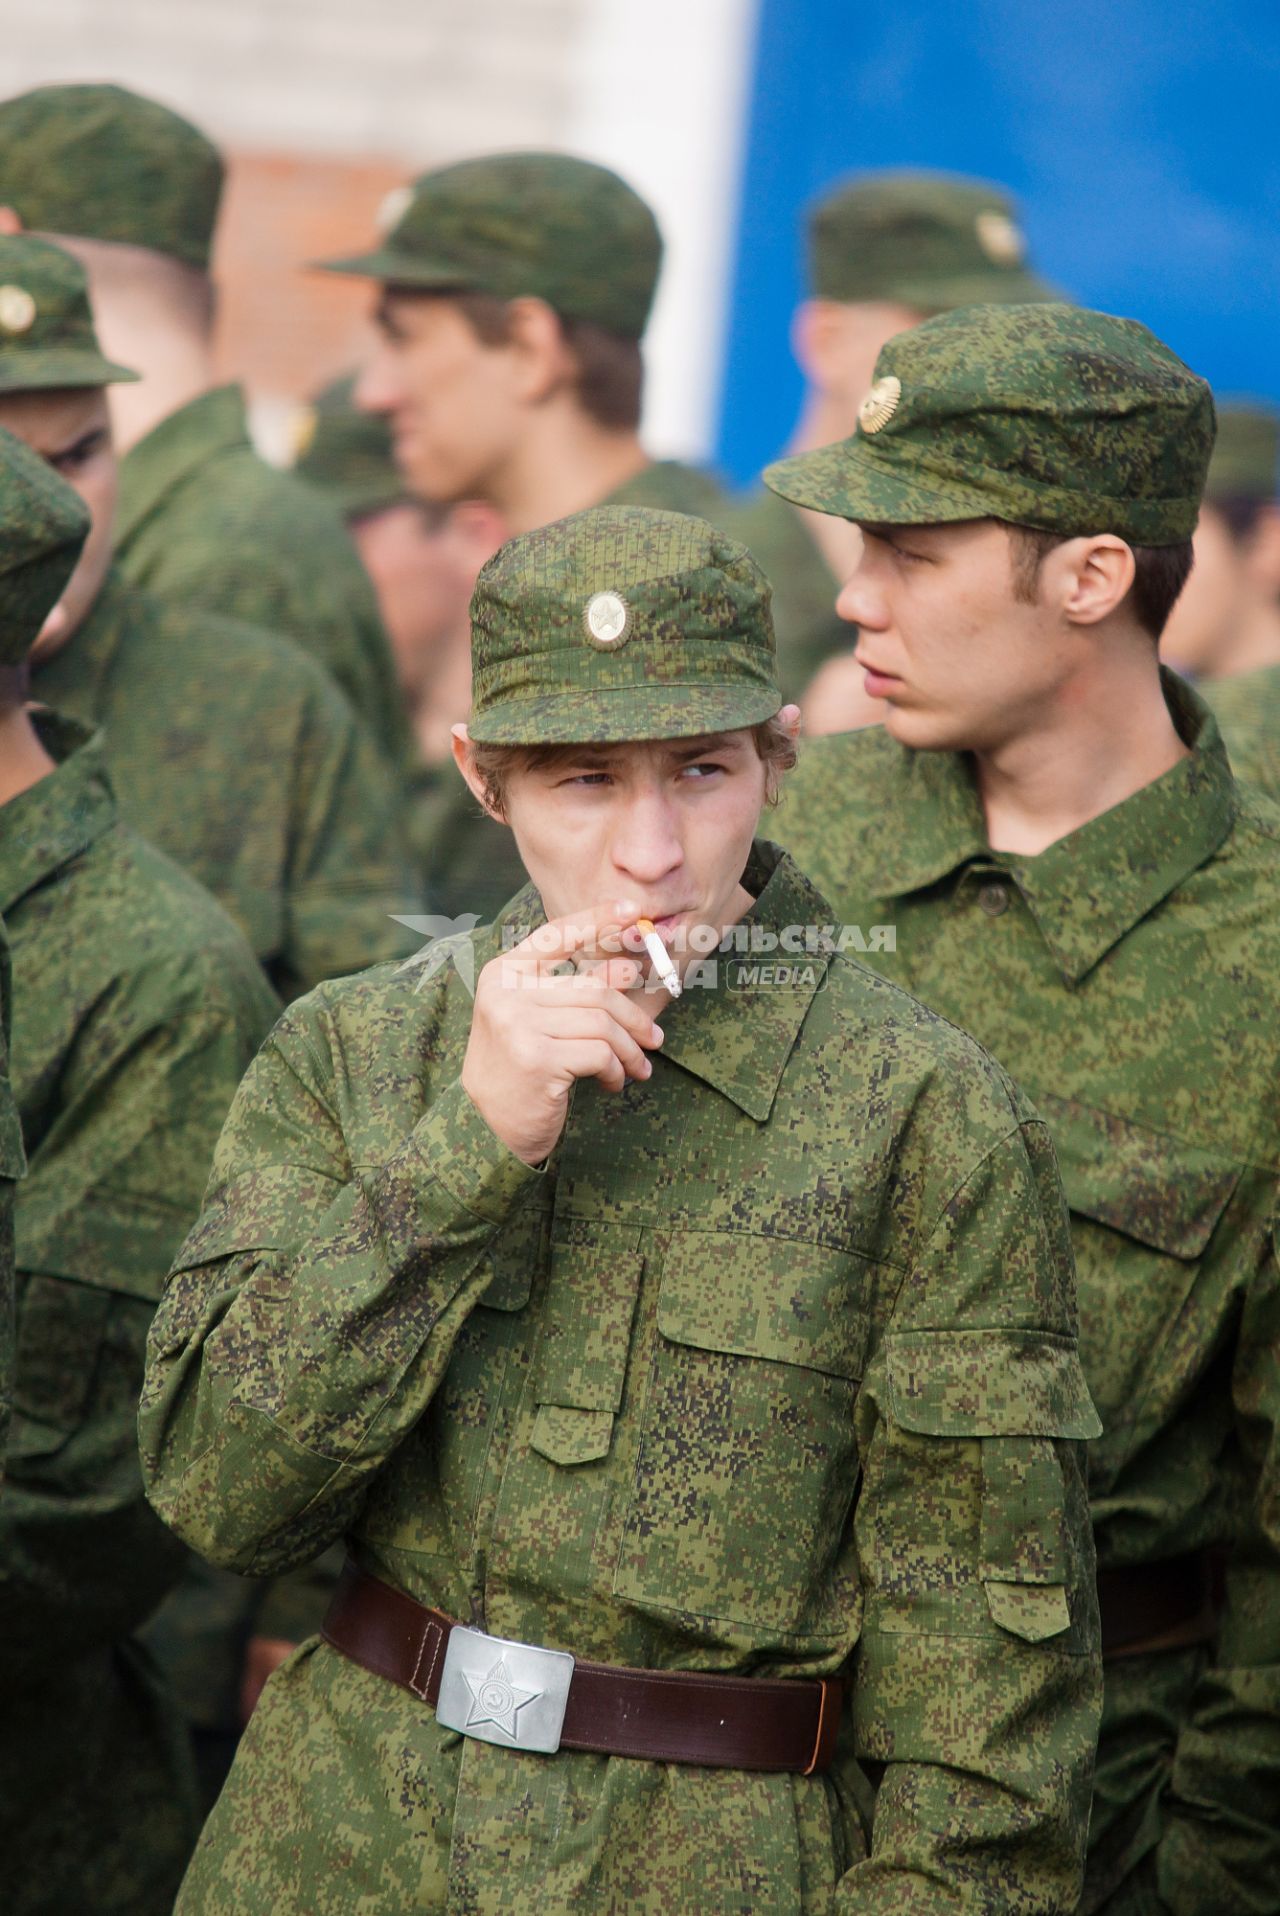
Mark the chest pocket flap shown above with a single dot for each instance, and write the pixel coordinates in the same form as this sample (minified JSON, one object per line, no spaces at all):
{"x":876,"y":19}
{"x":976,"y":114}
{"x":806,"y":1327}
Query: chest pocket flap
{"x":1153,"y":1187}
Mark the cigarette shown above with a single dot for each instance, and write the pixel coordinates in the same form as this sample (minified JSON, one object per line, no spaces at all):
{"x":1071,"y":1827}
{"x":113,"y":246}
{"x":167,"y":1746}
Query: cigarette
{"x":660,"y":955}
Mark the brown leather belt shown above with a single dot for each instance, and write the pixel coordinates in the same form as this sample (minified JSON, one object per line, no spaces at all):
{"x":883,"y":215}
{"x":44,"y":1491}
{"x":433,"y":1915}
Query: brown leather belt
{"x":663,"y":1716}
{"x":1146,"y":1607}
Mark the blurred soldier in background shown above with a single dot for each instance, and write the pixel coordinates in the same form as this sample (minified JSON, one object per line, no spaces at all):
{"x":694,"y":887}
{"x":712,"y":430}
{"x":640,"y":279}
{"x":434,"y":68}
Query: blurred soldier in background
{"x":884,"y":252}
{"x":1225,"y":629}
{"x":515,"y":291}
{"x":1076,"y":878}
{"x":12,"y":1166}
{"x":138,"y":1006}
{"x":423,"y":560}
{"x":232,"y":751}
{"x":203,"y":522}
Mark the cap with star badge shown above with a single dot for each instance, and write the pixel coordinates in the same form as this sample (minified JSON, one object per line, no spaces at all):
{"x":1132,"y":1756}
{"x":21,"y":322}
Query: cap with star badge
{"x":46,"y":325}
{"x":518,"y":224}
{"x":100,"y":162}
{"x":43,"y":525}
{"x":347,"y":454}
{"x":1246,"y":454}
{"x":620,"y":623}
{"x":932,"y":241}
{"x":1048,"y":416}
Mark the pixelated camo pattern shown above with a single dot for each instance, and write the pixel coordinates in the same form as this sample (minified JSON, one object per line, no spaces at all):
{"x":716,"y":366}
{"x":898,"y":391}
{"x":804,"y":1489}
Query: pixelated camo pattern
{"x":43,"y":526}
{"x":1129,"y":976}
{"x":1040,"y":415}
{"x":193,"y":491}
{"x":137,"y":1007}
{"x":663,"y":1403}
{"x":696,"y":654}
{"x":231,"y":752}
{"x":105,"y":163}
{"x":547,"y":225}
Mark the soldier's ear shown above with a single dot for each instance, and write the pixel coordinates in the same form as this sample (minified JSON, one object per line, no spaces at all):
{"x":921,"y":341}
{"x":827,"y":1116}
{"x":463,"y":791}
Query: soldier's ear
{"x":10,"y":224}
{"x":1262,"y":552}
{"x":464,"y":757}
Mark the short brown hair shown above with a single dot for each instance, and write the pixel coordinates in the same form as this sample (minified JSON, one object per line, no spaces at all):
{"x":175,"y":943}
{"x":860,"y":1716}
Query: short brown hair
{"x":1159,"y":573}
{"x":494,"y":764}
{"x":610,"y":369}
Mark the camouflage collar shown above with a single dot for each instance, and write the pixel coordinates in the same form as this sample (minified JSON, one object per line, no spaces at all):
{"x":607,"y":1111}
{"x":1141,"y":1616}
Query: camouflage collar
{"x":75,"y":680}
{"x":670,"y":486}
{"x":1091,"y":888}
{"x":739,"y":1039}
{"x":215,"y":422}
{"x":53,"y":822}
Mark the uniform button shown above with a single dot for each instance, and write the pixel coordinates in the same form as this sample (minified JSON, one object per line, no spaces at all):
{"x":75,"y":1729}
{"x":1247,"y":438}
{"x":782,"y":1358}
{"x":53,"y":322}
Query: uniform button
{"x":993,"y":899}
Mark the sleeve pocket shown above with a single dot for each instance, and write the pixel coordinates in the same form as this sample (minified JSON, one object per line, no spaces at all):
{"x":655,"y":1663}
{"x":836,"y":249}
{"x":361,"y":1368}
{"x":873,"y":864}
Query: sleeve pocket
{"x":1019,"y":1393}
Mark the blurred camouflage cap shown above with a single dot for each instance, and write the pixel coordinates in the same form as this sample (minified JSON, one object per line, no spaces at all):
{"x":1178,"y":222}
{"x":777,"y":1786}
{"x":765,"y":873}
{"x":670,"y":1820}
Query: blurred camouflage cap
{"x":1048,"y":416}
{"x":99,"y":162}
{"x":1246,"y":453}
{"x":620,"y":623}
{"x":515,"y":224}
{"x":933,"y":241}
{"x":347,"y":453}
{"x":43,"y":525}
{"x":46,"y":324}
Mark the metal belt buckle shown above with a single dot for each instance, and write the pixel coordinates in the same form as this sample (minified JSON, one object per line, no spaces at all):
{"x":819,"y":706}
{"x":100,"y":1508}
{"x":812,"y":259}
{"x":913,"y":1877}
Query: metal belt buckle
{"x":513,"y":1694}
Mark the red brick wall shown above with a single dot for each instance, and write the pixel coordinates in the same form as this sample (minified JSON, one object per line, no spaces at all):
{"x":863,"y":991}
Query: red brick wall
{"x":281,"y":330}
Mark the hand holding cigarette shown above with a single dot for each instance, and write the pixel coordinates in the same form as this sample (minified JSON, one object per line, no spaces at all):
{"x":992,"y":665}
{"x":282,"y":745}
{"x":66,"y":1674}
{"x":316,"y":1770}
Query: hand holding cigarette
{"x":538,"y":1026}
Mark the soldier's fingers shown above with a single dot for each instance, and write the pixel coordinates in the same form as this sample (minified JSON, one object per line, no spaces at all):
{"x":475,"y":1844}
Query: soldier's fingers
{"x":593,"y":1058}
{"x":573,"y":1024}
{"x":594,"y":931}
{"x":576,"y":992}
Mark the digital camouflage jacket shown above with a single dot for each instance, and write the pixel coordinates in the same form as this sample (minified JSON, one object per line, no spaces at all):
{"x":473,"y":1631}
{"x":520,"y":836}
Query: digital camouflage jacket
{"x":12,"y":1165}
{"x":234,"y":754}
{"x":1129,"y":977}
{"x":209,"y":526}
{"x":771,"y":1369}
{"x":1247,"y":708}
{"x":137,"y":1006}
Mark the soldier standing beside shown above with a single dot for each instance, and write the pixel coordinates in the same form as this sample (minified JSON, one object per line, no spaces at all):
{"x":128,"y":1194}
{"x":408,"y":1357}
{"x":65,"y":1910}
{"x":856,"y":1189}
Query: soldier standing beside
{"x":1076,"y":878}
{"x":12,"y":1166}
{"x":514,"y":292}
{"x":732,"y":1357}
{"x":1225,"y":629}
{"x":133,"y":189}
{"x":885,"y":250}
{"x":137,"y":1007}
{"x":423,"y":560}
{"x":231,"y":750}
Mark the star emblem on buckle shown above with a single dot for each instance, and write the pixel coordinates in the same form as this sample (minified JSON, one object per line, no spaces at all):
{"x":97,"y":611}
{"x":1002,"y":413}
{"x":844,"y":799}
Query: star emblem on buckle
{"x":497,"y":1700}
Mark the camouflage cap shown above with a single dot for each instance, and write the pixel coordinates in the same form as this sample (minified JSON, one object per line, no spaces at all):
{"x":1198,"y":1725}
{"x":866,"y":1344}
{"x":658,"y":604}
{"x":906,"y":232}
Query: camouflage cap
{"x":99,"y":162}
{"x":1048,"y":416}
{"x":346,"y":453}
{"x":46,"y":323}
{"x":562,"y":229}
{"x":43,"y":525}
{"x":1246,"y":453}
{"x":932,"y":241}
{"x":620,"y":623}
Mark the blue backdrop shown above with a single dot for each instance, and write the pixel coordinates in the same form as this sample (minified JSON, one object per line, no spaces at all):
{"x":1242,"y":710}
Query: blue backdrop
{"x":1140,"y":138}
